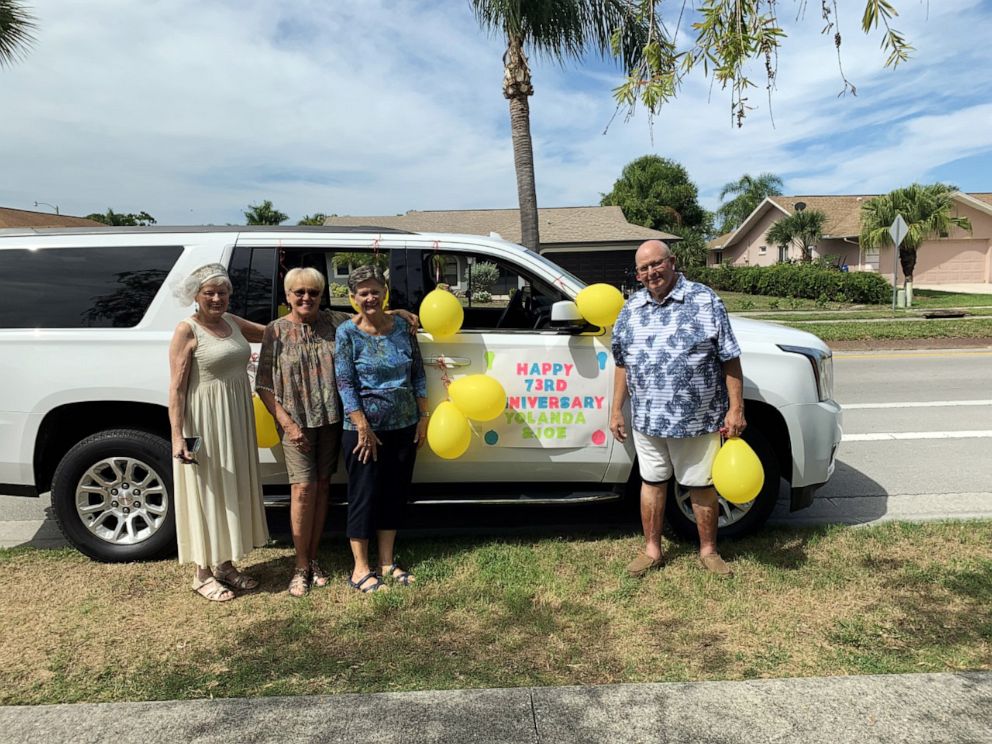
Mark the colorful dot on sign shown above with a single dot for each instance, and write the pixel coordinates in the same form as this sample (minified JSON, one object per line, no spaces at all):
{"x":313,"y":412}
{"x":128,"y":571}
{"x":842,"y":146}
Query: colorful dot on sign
{"x":491,"y":437}
{"x":598,"y":437}
{"x":601,"y":358}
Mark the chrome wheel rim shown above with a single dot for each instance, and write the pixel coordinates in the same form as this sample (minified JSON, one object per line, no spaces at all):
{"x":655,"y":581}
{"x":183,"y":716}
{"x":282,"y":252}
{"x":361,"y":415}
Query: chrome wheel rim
{"x":121,"y":500}
{"x":729,"y":513}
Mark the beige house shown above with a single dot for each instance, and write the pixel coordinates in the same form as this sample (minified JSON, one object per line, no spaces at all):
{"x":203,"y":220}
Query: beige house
{"x":26,"y":218}
{"x":960,"y":257}
{"x":596,"y":244}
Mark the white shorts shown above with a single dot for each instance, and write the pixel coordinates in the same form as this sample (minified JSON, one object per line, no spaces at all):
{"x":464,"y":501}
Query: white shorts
{"x":691,"y":458}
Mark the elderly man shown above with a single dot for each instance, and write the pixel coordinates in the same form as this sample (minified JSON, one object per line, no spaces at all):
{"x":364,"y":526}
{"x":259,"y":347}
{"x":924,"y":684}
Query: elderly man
{"x":677,"y":357}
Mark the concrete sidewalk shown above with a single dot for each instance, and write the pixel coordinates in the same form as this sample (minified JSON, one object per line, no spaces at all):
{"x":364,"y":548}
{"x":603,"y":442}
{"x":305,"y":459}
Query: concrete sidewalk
{"x":952,"y":708}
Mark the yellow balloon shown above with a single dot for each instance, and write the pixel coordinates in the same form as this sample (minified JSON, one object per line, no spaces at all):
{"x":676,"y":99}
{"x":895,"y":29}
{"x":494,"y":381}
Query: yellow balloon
{"x":737,"y":472}
{"x":448,"y":432}
{"x":600,"y":304}
{"x":441,"y":313}
{"x":479,"y":397}
{"x":266,"y":433}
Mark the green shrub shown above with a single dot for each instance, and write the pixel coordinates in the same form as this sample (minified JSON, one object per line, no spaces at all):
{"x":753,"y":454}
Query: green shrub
{"x":339,"y":290}
{"x":482,"y":276}
{"x":481,"y":295}
{"x":810,"y":281}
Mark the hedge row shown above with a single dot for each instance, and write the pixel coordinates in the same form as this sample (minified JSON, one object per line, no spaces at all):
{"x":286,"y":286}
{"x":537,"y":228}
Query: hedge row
{"x":807,"y":280}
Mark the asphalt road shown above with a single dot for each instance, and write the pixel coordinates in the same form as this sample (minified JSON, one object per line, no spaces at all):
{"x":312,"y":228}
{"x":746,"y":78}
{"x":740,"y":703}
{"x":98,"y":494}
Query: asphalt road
{"x":917,"y":430}
{"x":917,"y":433}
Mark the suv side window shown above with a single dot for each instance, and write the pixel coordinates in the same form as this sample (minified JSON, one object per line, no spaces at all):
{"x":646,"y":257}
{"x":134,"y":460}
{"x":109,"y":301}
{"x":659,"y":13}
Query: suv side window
{"x":252,"y":271}
{"x":102,"y":287}
{"x":335,"y":265}
{"x":495,"y":294}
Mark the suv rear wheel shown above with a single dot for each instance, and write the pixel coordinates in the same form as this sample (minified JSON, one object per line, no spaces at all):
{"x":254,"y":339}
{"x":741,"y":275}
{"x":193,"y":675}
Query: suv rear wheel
{"x":112,"y":496}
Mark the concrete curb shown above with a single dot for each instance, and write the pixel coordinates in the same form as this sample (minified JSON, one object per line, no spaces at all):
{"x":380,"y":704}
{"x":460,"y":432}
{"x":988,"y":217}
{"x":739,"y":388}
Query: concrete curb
{"x":951,"y":707}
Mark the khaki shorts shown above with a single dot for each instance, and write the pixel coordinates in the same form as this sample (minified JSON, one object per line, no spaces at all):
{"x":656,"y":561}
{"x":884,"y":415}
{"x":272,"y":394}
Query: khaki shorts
{"x":320,"y":461}
{"x":690,"y":458}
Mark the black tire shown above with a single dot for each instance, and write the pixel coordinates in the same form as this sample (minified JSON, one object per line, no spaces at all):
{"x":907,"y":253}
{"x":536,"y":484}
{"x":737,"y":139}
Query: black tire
{"x":735,"y":521}
{"x":112,"y":496}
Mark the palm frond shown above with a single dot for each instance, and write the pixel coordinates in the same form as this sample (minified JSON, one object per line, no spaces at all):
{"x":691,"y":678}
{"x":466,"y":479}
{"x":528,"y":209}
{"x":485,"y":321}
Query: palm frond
{"x":17,"y":27}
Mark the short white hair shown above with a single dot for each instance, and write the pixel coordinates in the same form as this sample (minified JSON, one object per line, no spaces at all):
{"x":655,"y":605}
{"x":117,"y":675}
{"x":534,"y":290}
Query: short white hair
{"x":306,"y":276}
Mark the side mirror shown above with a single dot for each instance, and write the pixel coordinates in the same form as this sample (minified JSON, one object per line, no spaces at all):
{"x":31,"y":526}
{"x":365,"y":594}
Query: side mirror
{"x":566,"y":318}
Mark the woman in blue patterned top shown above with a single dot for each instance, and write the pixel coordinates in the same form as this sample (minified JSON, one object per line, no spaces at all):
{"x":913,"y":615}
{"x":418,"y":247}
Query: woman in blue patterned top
{"x":380,"y":375}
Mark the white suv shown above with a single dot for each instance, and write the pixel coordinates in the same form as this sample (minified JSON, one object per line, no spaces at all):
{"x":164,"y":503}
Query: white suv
{"x":85,"y":322}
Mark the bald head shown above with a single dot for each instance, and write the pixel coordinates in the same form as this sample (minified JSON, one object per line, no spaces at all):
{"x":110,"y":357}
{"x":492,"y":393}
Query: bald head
{"x":651,"y":250}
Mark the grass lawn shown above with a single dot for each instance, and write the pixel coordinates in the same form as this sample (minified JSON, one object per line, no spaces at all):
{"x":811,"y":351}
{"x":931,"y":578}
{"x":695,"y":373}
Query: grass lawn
{"x":923,"y":300}
{"x":853,"y":331}
{"x":504,"y":612}
{"x":791,"y":317}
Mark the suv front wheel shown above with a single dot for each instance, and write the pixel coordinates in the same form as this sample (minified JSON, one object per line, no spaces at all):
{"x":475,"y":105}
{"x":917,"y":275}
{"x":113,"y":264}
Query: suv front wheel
{"x":111,"y":495}
{"x":735,"y":520}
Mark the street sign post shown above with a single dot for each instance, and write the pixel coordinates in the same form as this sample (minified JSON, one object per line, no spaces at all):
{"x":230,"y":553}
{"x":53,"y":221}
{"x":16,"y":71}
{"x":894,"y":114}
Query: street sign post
{"x":897,"y":230}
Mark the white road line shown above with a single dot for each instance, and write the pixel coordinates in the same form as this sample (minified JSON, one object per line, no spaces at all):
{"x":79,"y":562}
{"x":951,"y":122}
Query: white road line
{"x":889,"y":436}
{"x":918,"y":404}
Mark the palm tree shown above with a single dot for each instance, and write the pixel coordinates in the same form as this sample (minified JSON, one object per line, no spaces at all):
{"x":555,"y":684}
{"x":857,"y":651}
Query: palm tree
{"x":264,"y":214}
{"x":748,"y":193}
{"x":927,"y":211}
{"x":803,"y":228}
{"x":559,"y":29}
{"x":16,"y":27}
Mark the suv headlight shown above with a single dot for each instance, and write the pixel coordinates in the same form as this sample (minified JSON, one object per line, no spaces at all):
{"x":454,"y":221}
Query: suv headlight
{"x":823,"y":368}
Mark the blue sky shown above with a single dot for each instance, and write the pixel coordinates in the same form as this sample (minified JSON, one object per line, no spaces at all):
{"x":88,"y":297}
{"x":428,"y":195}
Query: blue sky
{"x":192,"y":109}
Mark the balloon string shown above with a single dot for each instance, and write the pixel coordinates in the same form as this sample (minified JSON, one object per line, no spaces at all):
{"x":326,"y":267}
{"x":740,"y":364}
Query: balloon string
{"x":445,"y":380}
{"x":437,"y":262}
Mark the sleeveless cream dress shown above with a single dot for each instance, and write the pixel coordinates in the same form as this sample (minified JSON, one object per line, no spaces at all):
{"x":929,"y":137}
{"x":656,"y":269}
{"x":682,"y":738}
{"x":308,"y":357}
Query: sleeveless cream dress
{"x":219,"y":511}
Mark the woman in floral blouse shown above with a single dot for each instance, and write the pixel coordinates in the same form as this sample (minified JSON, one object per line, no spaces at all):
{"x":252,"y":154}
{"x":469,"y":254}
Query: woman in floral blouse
{"x":295,"y":380}
{"x":380,"y":375}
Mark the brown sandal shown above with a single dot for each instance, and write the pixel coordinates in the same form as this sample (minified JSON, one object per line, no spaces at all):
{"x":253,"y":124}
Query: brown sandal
{"x":234,"y":579}
{"x":213,"y":590}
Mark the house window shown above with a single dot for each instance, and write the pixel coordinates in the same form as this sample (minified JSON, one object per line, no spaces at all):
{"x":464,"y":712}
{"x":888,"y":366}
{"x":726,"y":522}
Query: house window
{"x":783,"y":253}
{"x":763,"y":250}
{"x":717,"y":257}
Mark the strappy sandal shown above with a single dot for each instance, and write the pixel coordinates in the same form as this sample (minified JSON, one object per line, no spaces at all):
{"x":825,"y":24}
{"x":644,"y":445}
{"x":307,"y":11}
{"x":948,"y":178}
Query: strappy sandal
{"x":234,"y":579}
{"x":318,"y":576}
{"x":359,"y":585}
{"x":213,"y":590}
{"x":404,"y":577}
{"x":299,"y":585}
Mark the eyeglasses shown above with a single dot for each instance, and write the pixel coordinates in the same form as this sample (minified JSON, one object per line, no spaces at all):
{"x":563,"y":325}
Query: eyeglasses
{"x":652,"y":266}
{"x":308,"y":292}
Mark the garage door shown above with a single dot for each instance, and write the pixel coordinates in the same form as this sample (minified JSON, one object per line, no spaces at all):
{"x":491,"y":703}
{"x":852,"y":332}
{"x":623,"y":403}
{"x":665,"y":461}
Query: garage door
{"x":951,"y":261}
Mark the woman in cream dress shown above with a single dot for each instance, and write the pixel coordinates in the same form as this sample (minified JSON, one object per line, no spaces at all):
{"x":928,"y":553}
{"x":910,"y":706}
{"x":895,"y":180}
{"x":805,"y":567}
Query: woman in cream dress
{"x":218,"y":495}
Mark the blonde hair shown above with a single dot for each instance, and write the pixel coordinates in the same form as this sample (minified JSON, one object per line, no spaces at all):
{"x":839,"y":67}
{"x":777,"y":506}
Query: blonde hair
{"x":305,"y":277}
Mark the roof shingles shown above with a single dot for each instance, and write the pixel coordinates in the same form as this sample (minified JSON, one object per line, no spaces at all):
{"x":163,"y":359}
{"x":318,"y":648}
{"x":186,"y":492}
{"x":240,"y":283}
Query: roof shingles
{"x":557,"y":224}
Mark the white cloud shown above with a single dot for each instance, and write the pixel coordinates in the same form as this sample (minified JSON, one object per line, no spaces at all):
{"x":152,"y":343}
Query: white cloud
{"x":191,"y":110}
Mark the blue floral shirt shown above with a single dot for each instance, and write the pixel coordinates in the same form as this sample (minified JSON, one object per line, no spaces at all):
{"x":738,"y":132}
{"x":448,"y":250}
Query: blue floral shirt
{"x":672,"y":352}
{"x":381,"y":376}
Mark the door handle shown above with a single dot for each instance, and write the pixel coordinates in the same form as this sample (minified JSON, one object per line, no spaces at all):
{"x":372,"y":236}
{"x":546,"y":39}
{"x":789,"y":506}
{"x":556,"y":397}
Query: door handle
{"x":449,"y":362}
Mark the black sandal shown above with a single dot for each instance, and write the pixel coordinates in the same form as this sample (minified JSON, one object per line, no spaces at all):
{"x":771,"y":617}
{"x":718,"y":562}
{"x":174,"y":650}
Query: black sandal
{"x":404,"y":577}
{"x":357,"y":585}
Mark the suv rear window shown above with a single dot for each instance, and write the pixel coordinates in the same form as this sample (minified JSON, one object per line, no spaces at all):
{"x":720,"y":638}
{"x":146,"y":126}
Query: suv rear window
{"x":81,"y":287}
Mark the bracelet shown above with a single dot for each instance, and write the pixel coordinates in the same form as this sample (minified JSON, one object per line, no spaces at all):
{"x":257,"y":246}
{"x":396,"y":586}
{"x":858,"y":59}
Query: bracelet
{"x":425,"y":414}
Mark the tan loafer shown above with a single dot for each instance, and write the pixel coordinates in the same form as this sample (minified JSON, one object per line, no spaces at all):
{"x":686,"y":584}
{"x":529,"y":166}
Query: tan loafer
{"x":715,"y":564}
{"x":644,"y":563}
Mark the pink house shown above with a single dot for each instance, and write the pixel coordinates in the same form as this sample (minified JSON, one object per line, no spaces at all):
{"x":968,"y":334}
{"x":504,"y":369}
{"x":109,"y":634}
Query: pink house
{"x":960,"y":257}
